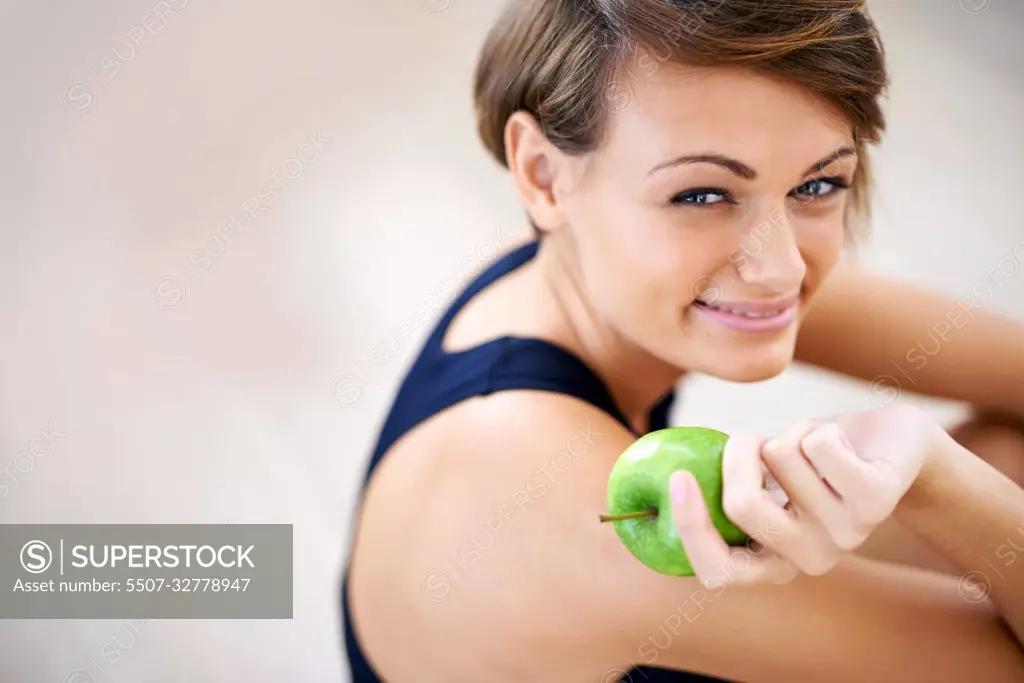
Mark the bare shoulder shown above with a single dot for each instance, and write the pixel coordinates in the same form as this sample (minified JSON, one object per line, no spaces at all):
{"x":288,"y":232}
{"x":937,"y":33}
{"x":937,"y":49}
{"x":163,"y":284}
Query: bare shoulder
{"x":529,"y":468}
{"x":532,"y":566}
{"x":486,"y":500}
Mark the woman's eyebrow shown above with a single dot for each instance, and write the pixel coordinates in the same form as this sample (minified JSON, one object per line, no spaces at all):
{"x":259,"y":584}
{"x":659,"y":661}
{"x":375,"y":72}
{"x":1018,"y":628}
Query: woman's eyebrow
{"x":741,"y":169}
{"x":838,"y":154}
{"x":728,"y":163}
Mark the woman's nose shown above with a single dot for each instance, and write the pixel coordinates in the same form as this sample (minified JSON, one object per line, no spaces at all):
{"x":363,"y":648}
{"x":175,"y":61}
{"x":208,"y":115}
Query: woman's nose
{"x":769,"y":255}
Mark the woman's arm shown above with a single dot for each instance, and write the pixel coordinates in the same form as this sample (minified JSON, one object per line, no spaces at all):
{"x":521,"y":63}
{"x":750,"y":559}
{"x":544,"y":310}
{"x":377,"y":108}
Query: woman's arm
{"x":974,"y":516}
{"x":883,"y":330}
{"x":864,"y":620}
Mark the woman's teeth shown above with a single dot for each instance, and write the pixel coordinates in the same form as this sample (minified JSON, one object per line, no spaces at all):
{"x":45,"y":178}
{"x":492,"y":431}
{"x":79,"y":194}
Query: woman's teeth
{"x":745,"y":314}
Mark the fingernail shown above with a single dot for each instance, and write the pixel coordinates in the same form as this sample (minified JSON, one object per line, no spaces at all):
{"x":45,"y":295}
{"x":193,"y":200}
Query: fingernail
{"x":846,"y":442}
{"x":677,"y":487}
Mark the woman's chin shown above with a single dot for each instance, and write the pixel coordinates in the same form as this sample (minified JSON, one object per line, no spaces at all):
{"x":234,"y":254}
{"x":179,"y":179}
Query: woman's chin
{"x":726,"y":360}
{"x":755,"y":369}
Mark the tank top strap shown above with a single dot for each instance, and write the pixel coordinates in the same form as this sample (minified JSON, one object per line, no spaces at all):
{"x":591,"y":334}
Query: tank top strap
{"x":503,"y":266}
{"x":440,"y":379}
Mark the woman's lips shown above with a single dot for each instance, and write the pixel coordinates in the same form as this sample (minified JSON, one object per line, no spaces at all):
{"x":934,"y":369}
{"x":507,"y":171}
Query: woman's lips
{"x":750,"y":316}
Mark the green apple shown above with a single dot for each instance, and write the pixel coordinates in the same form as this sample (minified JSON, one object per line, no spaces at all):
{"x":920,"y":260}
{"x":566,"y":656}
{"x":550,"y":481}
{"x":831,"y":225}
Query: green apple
{"x":639,"y":505}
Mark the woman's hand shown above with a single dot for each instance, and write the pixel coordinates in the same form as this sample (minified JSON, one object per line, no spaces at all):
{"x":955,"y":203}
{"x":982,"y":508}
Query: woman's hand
{"x":842,"y":477}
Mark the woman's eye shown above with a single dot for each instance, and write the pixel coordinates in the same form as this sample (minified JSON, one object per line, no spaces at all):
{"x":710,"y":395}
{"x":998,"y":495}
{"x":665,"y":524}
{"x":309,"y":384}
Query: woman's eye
{"x":819,"y":188}
{"x":703,"y":196}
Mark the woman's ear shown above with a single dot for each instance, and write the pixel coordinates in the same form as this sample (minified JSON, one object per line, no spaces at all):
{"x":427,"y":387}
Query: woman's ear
{"x":542,"y":172}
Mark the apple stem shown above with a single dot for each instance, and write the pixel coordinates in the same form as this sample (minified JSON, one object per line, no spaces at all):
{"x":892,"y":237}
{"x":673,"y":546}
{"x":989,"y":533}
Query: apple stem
{"x":652,"y":513}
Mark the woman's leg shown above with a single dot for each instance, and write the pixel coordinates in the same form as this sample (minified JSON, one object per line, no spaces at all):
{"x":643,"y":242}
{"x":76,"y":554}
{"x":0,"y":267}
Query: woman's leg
{"x":996,"y":439}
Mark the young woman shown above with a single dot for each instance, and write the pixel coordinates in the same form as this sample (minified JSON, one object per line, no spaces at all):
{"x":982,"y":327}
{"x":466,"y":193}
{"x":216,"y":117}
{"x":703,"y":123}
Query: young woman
{"x":693,"y":169}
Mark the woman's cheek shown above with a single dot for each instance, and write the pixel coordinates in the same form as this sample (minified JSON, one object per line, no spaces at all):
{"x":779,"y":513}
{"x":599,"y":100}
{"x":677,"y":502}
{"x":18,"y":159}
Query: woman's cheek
{"x":821,"y":246}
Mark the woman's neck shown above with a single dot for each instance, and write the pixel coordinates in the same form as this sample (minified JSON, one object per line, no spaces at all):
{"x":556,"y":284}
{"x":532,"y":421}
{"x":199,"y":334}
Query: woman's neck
{"x":635,"y":378}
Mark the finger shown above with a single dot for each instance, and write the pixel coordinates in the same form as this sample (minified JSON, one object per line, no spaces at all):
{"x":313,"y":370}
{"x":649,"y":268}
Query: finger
{"x":713,"y":561}
{"x":834,"y":457}
{"x":811,"y":546}
{"x":745,"y":501}
{"x":787,"y":461}
{"x":771,"y":567}
{"x":744,"y":567}
{"x":704,"y":546}
{"x":773,"y":487}
{"x":754,"y":564}
{"x":862,"y":484}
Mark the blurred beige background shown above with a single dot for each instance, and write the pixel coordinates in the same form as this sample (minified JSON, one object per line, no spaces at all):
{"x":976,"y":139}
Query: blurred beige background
{"x":234,"y":387}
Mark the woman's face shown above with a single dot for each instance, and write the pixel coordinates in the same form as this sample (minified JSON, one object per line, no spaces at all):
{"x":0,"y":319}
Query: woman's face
{"x":709,"y":216}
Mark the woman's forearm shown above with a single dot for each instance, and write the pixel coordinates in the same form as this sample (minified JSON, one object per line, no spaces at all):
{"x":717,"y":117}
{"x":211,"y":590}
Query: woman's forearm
{"x":974,"y":515}
{"x":891,"y":332}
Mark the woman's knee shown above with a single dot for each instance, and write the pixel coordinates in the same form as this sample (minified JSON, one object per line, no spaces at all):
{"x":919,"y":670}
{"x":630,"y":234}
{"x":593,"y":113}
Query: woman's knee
{"x":996,"y":439}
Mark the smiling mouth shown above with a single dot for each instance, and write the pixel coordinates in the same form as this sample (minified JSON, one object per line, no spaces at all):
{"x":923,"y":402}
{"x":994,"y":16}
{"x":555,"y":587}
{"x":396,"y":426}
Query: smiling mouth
{"x":750,"y":316}
{"x":783,"y":308}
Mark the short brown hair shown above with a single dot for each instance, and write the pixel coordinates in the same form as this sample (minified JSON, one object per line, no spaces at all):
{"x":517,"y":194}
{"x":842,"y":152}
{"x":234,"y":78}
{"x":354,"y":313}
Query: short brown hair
{"x":558,"y":60}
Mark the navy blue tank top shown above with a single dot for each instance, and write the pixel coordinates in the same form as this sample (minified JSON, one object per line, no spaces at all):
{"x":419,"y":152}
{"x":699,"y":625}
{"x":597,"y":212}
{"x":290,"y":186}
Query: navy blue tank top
{"x":439,"y":379}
